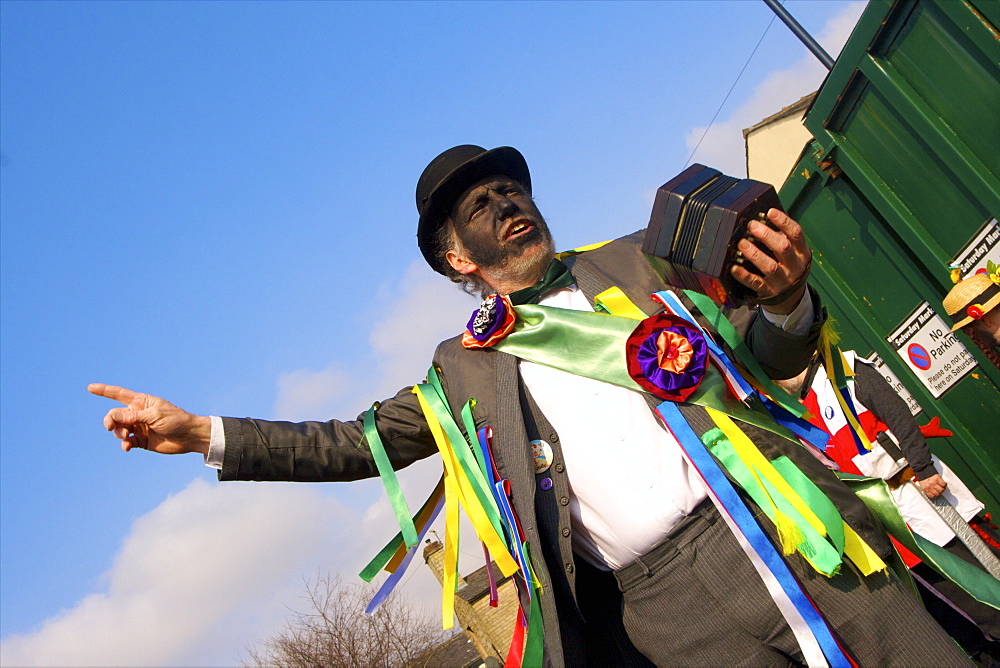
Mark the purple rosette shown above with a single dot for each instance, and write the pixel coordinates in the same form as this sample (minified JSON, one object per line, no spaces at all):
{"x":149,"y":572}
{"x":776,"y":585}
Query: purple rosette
{"x":485,"y":320}
{"x":667,"y":356}
{"x":490,"y":323}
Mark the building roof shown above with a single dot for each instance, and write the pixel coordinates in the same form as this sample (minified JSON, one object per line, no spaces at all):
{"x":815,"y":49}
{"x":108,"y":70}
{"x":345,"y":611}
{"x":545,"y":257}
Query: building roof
{"x":799,"y":105}
{"x":477,"y":584}
{"x":457,"y":650}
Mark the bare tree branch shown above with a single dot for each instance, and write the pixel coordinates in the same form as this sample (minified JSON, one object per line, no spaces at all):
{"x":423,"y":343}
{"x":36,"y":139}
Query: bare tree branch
{"x":335,"y":631}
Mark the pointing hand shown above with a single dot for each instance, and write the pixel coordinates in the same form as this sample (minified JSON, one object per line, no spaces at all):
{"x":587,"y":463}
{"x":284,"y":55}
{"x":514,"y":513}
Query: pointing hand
{"x":152,"y":423}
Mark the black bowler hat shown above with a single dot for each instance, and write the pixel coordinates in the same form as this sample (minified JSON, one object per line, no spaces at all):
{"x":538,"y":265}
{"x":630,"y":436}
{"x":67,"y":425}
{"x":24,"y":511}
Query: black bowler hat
{"x":448,"y":175}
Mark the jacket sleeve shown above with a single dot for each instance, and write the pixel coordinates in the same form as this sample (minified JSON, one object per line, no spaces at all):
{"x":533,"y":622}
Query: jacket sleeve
{"x":889,"y":407}
{"x":325,"y":451}
{"x":781,"y":354}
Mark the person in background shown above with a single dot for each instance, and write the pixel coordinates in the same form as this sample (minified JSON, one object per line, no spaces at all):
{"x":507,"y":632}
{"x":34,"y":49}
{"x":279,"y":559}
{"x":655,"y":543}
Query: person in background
{"x":883,"y":414}
{"x":972,"y":306}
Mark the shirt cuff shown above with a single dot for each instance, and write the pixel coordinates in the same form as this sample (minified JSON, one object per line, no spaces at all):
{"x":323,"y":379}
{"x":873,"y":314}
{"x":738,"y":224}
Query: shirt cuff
{"x":216,"y":444}
{"x":798,"y":321}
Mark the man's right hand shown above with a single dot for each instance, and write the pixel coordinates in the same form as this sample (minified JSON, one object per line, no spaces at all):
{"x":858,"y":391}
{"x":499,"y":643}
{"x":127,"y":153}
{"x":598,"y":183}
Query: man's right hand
{"x":152,"y":423}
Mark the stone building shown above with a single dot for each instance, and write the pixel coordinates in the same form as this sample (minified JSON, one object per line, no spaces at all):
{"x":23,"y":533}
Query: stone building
{"x":488,"y":628}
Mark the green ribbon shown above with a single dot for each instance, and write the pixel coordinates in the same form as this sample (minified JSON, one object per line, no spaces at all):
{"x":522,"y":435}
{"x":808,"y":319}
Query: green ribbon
{"x":534,"y":644}
{"x":592,"y":345}
{"x":825,"y":555}
{"x":389,"y":479}
{"x":461,"y":446}
{"x":976,"y":582}
{"x":715,"y":317}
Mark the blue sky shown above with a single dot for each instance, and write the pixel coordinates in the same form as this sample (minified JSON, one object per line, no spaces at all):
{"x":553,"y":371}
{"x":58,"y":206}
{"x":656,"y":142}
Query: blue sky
{"x":213,"y":202}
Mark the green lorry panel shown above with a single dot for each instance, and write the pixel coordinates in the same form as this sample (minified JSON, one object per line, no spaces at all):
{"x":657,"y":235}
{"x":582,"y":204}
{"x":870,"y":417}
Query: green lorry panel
{"x":903,"y":172}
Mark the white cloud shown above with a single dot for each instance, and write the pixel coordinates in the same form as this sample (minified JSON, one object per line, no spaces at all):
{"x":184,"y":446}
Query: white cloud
{"x":203,"y":554}
{"x":408,"y":321}
{"x":213,"y":569}
{"x":723,"y":147}
{"x":421,"y":312}
{"x":304,"y":394}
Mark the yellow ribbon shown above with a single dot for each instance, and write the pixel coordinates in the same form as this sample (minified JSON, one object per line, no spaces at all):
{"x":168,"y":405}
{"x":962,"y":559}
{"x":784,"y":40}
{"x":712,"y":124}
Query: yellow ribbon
{"x":617,"y":302}
{"x":449,"y":578}
{"x":582,"y":249}
{"x":466,"y":495}
{"x":858,"y":551}
{"x":759,"y":465}
{"x":828,"y":362}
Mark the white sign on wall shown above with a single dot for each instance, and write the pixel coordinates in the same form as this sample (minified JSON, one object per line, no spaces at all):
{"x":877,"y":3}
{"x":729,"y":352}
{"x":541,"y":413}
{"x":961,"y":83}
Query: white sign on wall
{"x":932,"y":352}
{"x":894,"y":383}
{"x":983,"y":248}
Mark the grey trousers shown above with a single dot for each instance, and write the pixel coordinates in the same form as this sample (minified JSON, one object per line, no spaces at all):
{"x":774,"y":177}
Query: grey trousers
{"x":696,"y":600}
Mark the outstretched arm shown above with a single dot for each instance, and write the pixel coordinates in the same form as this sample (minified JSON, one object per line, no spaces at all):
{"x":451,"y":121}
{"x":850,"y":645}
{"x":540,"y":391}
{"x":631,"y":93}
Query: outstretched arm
{"x":265,"y":450}
{"x":152,"y":423}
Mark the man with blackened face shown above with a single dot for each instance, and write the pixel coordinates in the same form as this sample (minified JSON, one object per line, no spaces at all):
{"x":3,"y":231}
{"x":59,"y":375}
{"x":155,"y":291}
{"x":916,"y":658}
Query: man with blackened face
{"x":500,"y":233}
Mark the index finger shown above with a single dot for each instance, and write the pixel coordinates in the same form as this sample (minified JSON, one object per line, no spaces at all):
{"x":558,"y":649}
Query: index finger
{"x":112,"y":392}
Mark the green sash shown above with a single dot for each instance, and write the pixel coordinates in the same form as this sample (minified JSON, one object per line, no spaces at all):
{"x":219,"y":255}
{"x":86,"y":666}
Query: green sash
{"x":592,"y":345}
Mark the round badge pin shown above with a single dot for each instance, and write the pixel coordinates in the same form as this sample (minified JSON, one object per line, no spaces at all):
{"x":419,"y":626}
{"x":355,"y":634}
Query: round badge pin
{"x":542,"y":453}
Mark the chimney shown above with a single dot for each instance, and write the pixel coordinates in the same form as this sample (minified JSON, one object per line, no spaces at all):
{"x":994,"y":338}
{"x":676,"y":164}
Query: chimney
{"x":434,"y":558}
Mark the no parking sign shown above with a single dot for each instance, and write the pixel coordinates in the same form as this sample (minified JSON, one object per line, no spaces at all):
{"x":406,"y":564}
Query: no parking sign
{"x":925,"y":343}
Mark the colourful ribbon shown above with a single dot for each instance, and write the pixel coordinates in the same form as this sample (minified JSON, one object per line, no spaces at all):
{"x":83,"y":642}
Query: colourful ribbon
{"x":799,"y":527}
{"x":815,"y":639}
{"x":468,"y":486}
{"x":390,"y":582}
{"x":389,"y":479}
{"x":715,"y":317}
{"x":390,"y":556}
{"x":976,"y":582}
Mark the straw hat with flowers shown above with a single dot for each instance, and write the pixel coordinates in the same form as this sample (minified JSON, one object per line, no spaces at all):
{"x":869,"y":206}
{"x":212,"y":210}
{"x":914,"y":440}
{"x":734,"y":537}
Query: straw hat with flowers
{"x":973,"y":297}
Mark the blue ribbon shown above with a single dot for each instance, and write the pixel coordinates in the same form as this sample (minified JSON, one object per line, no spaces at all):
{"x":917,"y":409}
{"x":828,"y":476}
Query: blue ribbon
{"x":802,"y":428}
{"x":517,"y":547}
{"x":733,"y":504}
{"x":390,"y":582}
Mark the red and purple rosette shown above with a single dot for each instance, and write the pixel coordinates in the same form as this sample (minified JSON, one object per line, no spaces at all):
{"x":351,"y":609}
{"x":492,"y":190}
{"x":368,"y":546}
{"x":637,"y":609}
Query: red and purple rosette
{"x":491,"y":322}
{"x":667,"y":356}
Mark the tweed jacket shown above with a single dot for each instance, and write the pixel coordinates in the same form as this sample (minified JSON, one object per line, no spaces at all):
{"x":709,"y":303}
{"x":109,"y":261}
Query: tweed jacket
{"x":335,"y":450}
